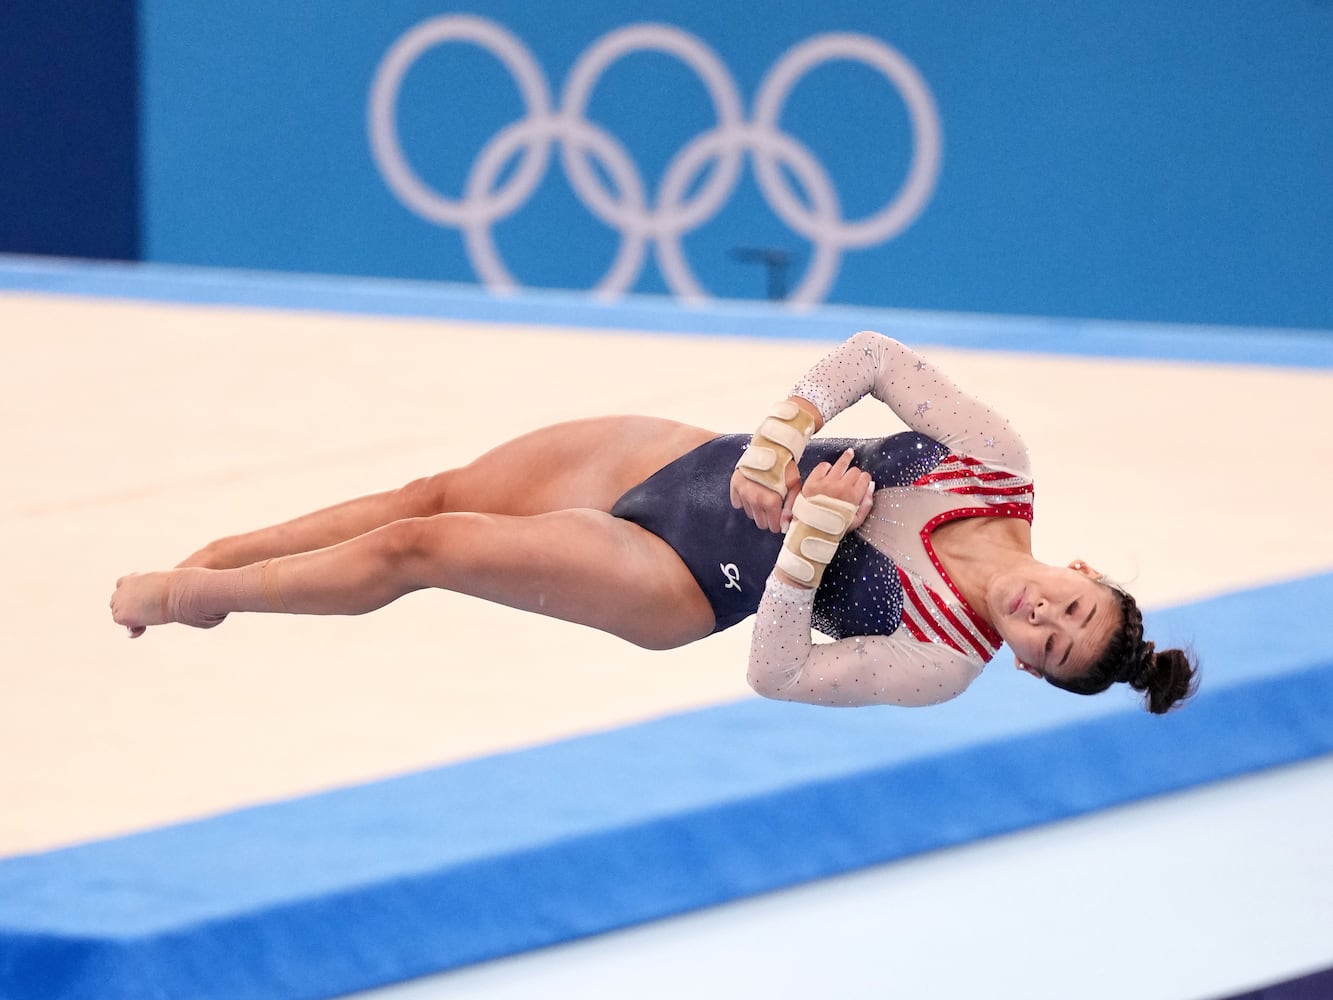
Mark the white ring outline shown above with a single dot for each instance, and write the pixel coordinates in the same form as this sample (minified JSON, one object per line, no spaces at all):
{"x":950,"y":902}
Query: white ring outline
{"x":823,"y":267}
{"x":628,"y":210}
{"x":387,"y":147}
{"x":908,"y":202}
{"x":477,"y":233}
{"x":712,"y":73}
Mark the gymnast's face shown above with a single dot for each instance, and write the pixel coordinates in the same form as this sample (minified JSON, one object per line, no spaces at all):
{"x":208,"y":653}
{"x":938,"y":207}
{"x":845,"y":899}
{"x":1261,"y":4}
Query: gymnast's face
{"x":1056,"y":619}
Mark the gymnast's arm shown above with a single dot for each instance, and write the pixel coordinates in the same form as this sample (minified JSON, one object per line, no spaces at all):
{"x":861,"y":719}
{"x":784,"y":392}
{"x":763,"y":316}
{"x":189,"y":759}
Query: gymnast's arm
{"x":870,"y":670}
{"x":785,"y":663}
{"x":921,"y":396}
{"x":924,"y":398}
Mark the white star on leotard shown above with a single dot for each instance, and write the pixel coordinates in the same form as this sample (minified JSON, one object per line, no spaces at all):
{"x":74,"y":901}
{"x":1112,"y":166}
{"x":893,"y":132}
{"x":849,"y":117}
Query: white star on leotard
{"x":922,"y":407}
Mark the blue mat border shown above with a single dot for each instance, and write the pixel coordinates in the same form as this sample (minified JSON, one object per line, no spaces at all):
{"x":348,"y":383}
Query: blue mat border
{"x":375,"y":884}
{"x":1275,"y":346}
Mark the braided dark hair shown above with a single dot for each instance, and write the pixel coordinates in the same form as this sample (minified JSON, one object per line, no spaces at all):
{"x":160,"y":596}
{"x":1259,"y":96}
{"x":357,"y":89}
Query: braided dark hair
{"x":1165,"y":677}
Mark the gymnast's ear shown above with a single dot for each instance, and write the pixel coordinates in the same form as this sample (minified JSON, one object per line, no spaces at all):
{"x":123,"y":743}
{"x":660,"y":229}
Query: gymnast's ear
{"x":1079,"y":566}
{"x":1025,"y":668}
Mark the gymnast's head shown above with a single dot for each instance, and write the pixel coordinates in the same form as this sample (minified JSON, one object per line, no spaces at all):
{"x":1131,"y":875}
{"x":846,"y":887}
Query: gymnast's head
{"x":1080,"y":632}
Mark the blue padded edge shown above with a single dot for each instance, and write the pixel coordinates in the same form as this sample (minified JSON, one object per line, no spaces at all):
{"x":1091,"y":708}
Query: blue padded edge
{"x":397,"y":297}
{"x":365,"y":886}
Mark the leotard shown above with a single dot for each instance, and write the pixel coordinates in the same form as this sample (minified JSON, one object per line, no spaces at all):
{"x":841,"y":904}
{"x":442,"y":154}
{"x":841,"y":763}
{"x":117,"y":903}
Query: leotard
{"x":903,"y":634}
{"x":687,"y":504}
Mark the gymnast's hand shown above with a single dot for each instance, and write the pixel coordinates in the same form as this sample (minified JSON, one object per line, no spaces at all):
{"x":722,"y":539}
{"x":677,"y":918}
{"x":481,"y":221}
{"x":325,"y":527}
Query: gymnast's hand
{"x":765,"y":507}
{"x":843,"y":481}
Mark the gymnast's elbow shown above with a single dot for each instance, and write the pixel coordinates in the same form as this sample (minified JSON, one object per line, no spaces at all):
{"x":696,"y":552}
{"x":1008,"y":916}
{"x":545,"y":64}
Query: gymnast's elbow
{"x":871,"y":338}
{"x":769,"y":683}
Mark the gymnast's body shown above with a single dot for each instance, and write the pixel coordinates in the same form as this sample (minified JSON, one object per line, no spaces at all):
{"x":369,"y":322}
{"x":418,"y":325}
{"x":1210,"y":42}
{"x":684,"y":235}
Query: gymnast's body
{"x":912,"y":552}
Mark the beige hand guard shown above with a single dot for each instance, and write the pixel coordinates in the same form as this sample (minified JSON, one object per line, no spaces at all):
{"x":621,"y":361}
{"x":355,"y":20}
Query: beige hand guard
{"x":818,"y":524}
{"x":781,"y":438}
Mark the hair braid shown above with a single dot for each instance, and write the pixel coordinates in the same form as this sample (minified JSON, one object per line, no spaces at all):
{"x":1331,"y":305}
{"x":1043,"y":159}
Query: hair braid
{"x":1164,"y":678}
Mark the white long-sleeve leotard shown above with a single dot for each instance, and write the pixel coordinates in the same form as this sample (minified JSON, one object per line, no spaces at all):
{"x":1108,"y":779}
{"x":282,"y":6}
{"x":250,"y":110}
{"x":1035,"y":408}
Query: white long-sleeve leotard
{"x":942,"y":644}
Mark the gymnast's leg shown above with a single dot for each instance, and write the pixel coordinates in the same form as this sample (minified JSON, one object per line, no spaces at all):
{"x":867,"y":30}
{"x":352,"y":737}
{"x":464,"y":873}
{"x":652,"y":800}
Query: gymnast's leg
{"x":582,"y":463}
{"x":579,"y":565}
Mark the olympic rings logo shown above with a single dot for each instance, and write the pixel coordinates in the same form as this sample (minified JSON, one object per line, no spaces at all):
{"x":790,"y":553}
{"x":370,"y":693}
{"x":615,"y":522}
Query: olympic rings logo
{"x":665,"y":217}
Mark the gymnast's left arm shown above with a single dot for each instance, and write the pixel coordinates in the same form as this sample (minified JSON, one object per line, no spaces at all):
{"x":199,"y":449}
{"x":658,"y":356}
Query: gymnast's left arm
{"x":867,"y":670}
{"x":922,"y":396}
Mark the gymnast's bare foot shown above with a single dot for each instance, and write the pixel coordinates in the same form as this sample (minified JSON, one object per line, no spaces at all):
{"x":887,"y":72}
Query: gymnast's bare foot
{"x":140,"y":600}
{"x":143,"y":599}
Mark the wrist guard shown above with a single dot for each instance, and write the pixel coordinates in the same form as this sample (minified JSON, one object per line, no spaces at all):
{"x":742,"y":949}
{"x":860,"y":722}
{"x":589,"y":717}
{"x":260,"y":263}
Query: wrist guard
{"x":818,"y":524}
{"x":780,"y":439}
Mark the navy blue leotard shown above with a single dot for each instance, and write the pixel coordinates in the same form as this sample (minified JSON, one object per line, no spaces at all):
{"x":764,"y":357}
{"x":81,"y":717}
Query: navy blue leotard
{"x":687,"y":504}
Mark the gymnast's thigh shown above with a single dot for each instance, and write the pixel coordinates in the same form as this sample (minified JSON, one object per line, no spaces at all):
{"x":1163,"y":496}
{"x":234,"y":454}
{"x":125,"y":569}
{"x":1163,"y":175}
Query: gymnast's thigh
{"x":585,"y":463}
{"x":579,"y":565}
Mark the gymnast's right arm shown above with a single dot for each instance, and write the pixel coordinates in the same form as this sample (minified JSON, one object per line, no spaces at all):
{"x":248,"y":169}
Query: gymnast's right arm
{"x":867,"y":670}
{"x":864,"y":670}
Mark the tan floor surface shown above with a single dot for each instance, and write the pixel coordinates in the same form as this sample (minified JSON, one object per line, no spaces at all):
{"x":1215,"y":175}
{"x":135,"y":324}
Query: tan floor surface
{"x":134,"y":433}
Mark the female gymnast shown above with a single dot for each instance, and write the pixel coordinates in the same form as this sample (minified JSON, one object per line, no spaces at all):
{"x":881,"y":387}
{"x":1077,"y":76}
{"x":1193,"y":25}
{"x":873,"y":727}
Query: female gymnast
{"x":911,"y":552}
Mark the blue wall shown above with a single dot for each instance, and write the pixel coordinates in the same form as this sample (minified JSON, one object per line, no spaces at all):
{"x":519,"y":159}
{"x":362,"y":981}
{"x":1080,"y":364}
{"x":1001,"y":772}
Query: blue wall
{"x":69,"y":128}
{"x":1114,"y":158}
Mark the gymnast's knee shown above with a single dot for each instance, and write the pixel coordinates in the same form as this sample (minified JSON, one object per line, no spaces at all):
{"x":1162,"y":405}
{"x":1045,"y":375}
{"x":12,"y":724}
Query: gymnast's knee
{"x":408,"y":547}
{"x":427,"y":496}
